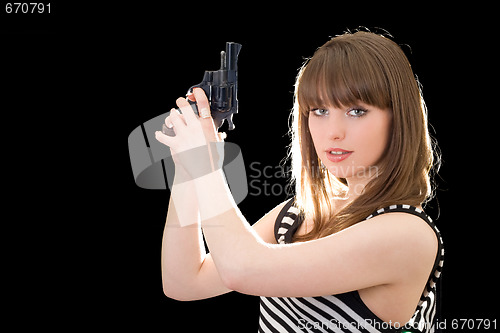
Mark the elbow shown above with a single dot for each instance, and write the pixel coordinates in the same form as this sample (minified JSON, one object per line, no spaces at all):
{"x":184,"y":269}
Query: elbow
{"x":173,"y":293}
{"x":243,"y":273}
{"x":177,"y":293}
{"x":179,"y":287}
{"x":235,"y":277}
{"x":230,"y":279}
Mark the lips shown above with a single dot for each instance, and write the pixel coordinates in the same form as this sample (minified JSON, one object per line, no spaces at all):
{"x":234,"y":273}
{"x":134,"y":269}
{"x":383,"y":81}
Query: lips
{"x":337,"y":154}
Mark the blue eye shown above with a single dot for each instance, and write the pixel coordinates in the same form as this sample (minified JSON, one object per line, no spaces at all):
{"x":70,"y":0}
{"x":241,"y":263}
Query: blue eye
{"x":356,"y":112}
{"x":319,"y":112}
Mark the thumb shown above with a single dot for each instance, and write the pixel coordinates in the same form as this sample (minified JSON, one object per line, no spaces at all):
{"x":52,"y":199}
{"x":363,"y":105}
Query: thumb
{"x":206,"y":120}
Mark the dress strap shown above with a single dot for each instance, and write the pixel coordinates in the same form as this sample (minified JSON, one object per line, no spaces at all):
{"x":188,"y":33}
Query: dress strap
{"x":288,"y":221}
{"x":403,"y":209}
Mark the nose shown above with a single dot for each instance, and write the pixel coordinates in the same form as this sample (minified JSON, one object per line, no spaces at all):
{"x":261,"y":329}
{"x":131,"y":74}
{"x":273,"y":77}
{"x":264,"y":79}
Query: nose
{"x":336,"y":126}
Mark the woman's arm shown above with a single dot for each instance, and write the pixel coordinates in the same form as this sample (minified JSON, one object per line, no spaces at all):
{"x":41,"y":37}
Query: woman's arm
{"x":188,"y":272}
{"x":186,"y":268}
{"x":394,"y":248}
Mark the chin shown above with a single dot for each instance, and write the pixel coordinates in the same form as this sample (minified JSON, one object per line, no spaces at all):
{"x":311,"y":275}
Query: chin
{"x":350,"y":171}
{"x":340,"y":171}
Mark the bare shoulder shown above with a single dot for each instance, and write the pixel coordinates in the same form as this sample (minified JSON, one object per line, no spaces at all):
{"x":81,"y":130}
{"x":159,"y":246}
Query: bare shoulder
{"x":265,"y":226}
{"x":409,"y":226}
{"x":414,"y":237}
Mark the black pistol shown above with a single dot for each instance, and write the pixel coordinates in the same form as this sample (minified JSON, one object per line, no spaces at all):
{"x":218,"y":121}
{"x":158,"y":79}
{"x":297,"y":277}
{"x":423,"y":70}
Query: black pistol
{"x":221,"y":88}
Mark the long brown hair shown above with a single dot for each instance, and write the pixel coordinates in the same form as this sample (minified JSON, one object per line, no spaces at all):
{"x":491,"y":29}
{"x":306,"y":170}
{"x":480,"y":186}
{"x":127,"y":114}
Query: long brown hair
{"x":370,"y":68}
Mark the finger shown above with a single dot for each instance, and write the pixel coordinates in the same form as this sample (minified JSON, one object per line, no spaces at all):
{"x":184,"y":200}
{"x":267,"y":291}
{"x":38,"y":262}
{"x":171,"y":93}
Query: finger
{"x":165,"y":139}
{"x":222,"y":136}
{"x":190,"y":96}
{"x":208,"y":127}
{"x":202,"y":102}
{"x":187,"y":110}
{"x":206,"y":120}
{"x":177,"y":121}
{"x":168,"y":120}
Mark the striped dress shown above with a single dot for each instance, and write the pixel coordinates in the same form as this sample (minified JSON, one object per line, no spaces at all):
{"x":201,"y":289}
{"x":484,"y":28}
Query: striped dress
{"x":343,"y":312}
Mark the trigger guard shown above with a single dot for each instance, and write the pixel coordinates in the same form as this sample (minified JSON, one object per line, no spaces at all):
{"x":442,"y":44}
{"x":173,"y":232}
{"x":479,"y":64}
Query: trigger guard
{"x":190,"y":90}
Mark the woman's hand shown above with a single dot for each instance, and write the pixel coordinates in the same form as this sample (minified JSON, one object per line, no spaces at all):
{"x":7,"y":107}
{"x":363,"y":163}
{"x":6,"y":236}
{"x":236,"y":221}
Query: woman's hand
{"x":194,"y":145}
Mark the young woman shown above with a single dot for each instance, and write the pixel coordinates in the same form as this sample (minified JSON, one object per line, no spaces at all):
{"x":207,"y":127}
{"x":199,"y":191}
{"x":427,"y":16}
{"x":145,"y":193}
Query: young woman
{"x":353,"y":250}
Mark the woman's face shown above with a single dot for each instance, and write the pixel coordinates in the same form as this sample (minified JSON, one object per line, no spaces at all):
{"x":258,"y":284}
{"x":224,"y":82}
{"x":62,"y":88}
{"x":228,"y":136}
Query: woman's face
{"x":350,"y":140}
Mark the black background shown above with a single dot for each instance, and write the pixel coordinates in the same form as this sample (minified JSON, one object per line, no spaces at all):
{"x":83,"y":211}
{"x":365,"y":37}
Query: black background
{"x":78,"y":81}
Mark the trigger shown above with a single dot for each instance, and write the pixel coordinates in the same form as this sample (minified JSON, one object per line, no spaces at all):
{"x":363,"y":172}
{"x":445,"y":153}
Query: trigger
{"x":190,"y":91}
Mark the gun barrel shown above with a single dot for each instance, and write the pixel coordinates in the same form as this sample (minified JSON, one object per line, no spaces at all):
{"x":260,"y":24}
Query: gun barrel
{"x":232,"y":51}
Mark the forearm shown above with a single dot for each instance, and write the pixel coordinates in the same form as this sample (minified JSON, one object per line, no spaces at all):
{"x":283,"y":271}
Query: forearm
{"x":233,"y":244}
{"x":183,"y":251}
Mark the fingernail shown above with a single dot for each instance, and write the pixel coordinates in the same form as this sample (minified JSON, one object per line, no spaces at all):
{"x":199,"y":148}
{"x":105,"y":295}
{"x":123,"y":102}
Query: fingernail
{"x":205,"y":113}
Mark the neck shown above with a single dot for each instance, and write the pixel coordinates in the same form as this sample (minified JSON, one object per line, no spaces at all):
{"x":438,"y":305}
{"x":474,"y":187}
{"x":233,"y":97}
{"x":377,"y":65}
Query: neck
{"x":356,"y":187}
